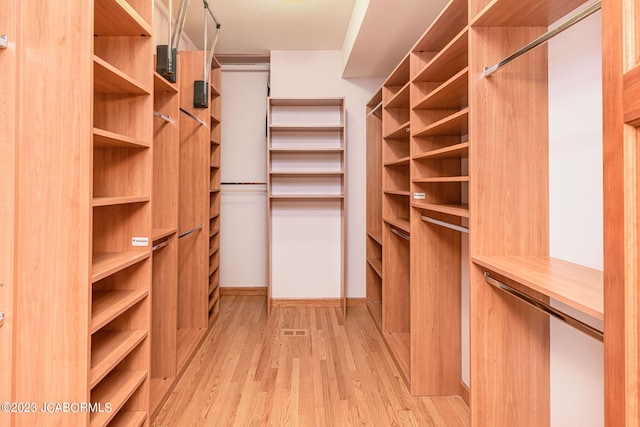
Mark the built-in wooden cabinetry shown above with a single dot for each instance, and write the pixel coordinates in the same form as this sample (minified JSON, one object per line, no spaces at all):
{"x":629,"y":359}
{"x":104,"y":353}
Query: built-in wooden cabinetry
{"x":306,"y":163}
{"x":98,"y":164}
{"x":215,"y":111}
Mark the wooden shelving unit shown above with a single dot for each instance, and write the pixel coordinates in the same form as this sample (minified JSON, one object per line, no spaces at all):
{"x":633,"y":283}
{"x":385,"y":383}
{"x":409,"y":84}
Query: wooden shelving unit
{"x":306,"y":155}
{"x":374,"y":208}
{"x":214,"y":190}
{"x":122,"y":192}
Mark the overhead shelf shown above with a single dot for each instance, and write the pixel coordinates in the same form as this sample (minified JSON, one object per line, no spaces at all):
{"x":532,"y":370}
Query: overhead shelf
{"x":528,"y":13}
{"x":452,"y":94}
{"x":118,"y":18}
{"x":448,"y":62}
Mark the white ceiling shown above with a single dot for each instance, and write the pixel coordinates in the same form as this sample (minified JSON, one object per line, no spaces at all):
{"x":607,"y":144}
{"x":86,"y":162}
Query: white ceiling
{"x":379,"y":38}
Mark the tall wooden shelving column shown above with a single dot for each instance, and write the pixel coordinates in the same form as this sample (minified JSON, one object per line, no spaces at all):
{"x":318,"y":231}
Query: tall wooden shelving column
{"x":165,"y":239}
{"x":374,"y":208}
{"x":621,"y":85}
{"x":215,"y":108}
{"x":439,"y":146}
{"x":510,"y":216}
{"x":193,"y":211}
{"x":122,"y":160}
{"x":306,"y":165}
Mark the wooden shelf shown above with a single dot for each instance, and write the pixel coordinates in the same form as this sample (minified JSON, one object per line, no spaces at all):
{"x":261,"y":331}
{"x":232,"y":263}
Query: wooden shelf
{"x":306,"y":150}
{"x":452,"y":94}
{"x":109,"y":79}
{"x":529,"y":13}
{"x":214,"y":216}
{"x":306,"y":102}
{"x":119,"y":200}
{"x":457,"y":151}
{"x":213,"y":269}
{"x":159,"y":389}
{"x":214,"y":190}
{"x":107,"y":263}
{"x":376,"y":264}
{"x":445,"y":27}
{"x":574,"y":285}
{"x":397,"y":193}
{"x":105,"y":138}
{"x":108,"y":348}
{"x":129,"y":419}
{"x":376,"y":235}
{"x":160,"y":84}
{"x":400,"y":75}
{"x":212,"y":302}
{"x":306,"y":128}
{"x":402,"y":224}
{"x":118,"y":18}
{"x":441,"y":179}
{"x":213,"y":251}
{"x":461,"y":210}
{"x":404,"y":161}
{"x":214,"y":232}
{"x":214,"y":166}
{"x":159,"y":233}
{"x":448,"y":62}
{"x":400,"y":345}
{"x":400,"y":132}
{"x":214,"y":91}
{"x":212,"y":287}
{"x":307,"y":173}
{"x":215,"y":118}
{"x":116,"y":389}
{"x":456,"y":124}
{"x":107,"y":305}
{"x":400,"y":99}
{"x":306,"y":196}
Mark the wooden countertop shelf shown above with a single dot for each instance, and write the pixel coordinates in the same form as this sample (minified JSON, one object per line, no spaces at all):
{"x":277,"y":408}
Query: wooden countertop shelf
{"x":457,"y":151}
{"x":118,"y":18}
{"x":109,"y":79}
{"x":108,"y":348}
{"x":107,"y":263}
{"x":572,"y":284}
{"x":119,"y":200}
{"x":400,"y":132}
{"x":117,"y":388}
{"x":402,"y":224}
{"x":456,"y":124}
{"x":376,"y":235}
{"x":528,"y":13}
{"x":400,"y":99}
{"x":448,"y":62}
{"x":461,"y":210}
{"x":449,"y":95}
{"x":376,"y":264}
{"x":129,"y":419}
{"x":107,"y":305}
{"x":160,"y":84}
{"x":105,"y":138}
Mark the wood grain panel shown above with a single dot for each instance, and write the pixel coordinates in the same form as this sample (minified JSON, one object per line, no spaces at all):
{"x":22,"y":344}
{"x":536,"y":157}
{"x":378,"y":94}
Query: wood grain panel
{"x":53,"y":207}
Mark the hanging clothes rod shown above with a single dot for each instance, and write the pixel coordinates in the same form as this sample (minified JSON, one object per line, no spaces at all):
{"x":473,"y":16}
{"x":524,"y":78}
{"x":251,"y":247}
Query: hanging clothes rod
{"x":193,"y":230}
{"x":546,"y":308}
{"x":162,"y":116}
{"x":375,"y":109}
{"x":160,"y":245}
{"x":588,"y":11}
{"x":401,"y":234}
{"x":202,"y":122}
{"x":444,"y":224}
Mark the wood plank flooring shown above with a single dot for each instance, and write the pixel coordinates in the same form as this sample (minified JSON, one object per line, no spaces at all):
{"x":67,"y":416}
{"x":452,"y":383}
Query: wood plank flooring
{"x":301,"y":367}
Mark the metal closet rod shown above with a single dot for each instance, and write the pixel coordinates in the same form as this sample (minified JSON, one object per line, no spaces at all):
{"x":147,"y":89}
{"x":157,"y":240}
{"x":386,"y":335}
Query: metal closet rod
{"x":588,"y":11}
{"x":202,"y":122}
{"x":193,"y":230}
{"x":160,"y":245}
{"x":162,"y":116}
{"x":546,"y":308}
{"x":400,"y":233}
{"x":444,"y":224}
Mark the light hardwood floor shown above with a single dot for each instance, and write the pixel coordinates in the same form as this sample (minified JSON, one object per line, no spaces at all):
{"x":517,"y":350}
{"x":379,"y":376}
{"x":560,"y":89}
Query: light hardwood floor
{"x":301,"y":367}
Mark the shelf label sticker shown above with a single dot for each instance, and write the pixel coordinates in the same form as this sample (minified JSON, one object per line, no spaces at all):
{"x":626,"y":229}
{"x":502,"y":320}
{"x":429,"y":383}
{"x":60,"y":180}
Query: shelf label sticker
{"x":418,"y":196}
{"x":139,"y":241}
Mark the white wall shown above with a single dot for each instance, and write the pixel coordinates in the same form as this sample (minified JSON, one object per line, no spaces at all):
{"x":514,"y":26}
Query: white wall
{"x":575,"y":213}
{"x":306,"y":74}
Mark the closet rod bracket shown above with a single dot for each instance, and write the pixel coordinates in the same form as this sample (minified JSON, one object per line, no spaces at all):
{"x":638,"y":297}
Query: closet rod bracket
{"x":4,"y":41}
